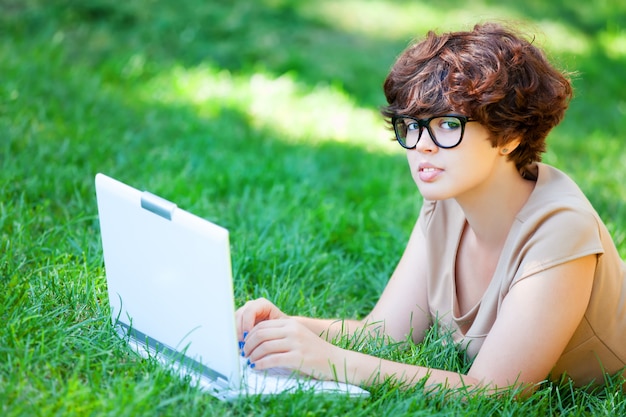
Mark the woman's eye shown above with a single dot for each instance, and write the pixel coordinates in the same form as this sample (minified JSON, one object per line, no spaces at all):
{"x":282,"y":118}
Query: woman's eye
{"x":449,"y":123}
{"x":412,"y":126}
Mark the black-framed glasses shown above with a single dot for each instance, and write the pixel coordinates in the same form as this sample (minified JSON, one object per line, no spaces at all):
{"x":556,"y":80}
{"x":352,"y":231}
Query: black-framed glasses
{"x":446,"y":131}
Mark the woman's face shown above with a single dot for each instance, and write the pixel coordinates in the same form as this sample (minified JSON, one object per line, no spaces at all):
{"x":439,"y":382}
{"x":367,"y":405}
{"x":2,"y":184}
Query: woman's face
{"x":463,"y":171}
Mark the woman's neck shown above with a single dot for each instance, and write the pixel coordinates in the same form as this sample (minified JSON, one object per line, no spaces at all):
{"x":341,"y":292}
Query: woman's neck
{"x":491,"y":209}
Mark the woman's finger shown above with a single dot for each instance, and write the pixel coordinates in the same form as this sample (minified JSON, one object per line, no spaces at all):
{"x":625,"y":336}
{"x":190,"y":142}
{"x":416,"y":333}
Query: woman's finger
{"x":268,"y":348}
{"x":263,"y":332}
{"x":251,"y":313}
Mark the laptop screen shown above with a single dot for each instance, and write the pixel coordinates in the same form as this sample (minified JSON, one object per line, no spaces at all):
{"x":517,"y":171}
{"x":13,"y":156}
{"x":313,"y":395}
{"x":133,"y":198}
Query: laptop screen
{"x":168,"y":276}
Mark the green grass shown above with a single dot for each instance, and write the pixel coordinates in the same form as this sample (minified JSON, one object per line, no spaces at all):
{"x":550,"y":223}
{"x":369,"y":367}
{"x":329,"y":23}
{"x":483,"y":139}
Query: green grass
{"x":262,"y":116}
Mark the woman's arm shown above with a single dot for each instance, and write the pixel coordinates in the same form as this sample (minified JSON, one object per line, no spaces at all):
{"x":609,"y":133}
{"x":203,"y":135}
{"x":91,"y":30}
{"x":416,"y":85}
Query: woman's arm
{"x":537,"y":319}
{"x":288,"y":343}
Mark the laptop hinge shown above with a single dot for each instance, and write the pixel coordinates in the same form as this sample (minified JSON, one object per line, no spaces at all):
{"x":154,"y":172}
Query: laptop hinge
{"x":157,"y":205}
{"x":166,"y":353}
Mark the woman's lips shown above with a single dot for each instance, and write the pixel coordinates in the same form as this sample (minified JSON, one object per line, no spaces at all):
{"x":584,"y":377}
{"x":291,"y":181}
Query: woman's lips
{"x":428,"y":172}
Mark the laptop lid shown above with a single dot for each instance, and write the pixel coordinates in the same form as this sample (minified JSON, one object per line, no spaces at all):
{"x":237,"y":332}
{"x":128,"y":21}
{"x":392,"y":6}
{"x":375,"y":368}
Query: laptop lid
{"x":169,"y":278}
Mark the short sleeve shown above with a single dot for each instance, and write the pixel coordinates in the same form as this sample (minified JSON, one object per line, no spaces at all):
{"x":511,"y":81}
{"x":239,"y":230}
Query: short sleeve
{"x":555,"y":237}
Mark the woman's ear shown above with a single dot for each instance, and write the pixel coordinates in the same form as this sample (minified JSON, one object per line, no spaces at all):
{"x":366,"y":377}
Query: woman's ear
{"x":510,"y":146}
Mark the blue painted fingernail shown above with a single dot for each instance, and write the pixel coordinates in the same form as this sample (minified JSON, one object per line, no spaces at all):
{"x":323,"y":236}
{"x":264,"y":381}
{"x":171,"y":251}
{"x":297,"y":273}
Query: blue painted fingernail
{"x":243,"y":354}
{"x":245,"y":334}
{"x":248,"y":363}
{"x":241,"y":345}
{"x":252,"y":365}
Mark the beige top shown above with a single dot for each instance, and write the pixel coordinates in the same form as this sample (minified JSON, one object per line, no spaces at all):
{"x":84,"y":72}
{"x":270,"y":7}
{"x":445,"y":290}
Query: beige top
{"x":556,"y":225}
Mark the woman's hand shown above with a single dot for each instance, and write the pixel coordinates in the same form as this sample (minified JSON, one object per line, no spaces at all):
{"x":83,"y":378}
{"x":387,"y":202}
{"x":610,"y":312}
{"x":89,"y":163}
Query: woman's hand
{"x":285,"y":342}
{"x":254,"y":312}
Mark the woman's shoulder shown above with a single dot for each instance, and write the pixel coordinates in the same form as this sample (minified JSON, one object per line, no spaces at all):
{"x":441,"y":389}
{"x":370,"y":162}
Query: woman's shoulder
{"x":557,"y":224}
{"x":556,"y":193}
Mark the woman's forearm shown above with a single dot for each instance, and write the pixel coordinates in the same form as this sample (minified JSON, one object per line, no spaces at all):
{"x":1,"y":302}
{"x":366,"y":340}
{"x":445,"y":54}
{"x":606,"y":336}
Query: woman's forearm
{"x":344,"y":365}
{"x":361,"y":369}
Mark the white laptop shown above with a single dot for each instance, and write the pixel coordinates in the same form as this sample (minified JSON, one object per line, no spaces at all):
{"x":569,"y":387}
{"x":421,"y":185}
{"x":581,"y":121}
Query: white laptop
{"x":171,"y":294}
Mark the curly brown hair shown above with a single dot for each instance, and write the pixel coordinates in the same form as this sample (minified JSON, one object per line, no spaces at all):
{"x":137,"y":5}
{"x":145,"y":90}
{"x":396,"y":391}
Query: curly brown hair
{"x":491,"y":74}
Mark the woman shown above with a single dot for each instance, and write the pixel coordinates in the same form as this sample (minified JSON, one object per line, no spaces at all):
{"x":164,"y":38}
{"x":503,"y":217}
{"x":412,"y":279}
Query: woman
{"x":506,"y":253}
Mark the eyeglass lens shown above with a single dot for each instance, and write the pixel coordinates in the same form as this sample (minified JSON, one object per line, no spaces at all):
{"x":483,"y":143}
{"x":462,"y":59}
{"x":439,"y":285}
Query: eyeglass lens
{"x":446,"y":131}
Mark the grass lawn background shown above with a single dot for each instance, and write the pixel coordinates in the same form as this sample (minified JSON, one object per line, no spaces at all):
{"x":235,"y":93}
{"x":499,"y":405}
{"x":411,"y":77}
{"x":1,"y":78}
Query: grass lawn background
{"x":261,"y":116}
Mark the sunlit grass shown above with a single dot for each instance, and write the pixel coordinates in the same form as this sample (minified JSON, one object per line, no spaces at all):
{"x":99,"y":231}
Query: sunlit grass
{"x":561,"y":38}
{"x":402,"y":19}
{"x":614,"y":42}
{"x":295,"y":112}
{"x":409,"y":19}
